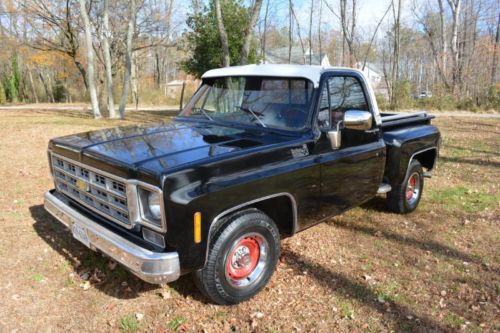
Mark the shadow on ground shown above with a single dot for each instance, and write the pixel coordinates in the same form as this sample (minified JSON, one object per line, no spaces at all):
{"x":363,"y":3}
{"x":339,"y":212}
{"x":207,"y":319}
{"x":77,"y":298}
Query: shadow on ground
{"x":339,"y":283}
{"x":82,"y":260}
{"x":427,"y":245}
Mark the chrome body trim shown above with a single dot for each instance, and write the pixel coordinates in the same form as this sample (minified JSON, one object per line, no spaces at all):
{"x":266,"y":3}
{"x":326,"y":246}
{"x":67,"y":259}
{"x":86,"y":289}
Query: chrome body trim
{"x":295,"y":227}
{"x":152,"y":267}
{"x":422,"y":151}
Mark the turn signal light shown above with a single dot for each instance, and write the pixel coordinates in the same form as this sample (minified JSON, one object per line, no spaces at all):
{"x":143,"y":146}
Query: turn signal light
{"x":197,"y":227}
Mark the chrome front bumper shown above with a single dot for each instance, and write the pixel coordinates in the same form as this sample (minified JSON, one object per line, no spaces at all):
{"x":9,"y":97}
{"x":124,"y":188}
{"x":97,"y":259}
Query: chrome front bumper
{"x":152,"y":267}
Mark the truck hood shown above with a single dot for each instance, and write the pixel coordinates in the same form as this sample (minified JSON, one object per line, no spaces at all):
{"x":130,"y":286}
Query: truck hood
{"x":154,"y":148}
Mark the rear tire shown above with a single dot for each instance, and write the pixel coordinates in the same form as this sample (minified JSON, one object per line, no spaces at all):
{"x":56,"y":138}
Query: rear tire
{"x":404,"y":198}
{"x":242,"y":258}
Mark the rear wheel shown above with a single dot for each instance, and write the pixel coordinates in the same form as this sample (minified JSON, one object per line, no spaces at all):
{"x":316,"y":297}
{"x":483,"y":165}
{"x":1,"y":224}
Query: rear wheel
{"x":242,"y":257}
{"x":405,"y":198}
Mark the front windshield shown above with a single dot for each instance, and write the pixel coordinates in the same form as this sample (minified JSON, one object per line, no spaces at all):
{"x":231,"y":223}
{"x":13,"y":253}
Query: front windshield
{"x":267,"y":102}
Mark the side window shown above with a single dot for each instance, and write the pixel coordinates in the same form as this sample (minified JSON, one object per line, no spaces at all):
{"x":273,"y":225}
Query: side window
{"x":346,"y":93}
{"x":339,"y":94}
{"x":324,"y":109}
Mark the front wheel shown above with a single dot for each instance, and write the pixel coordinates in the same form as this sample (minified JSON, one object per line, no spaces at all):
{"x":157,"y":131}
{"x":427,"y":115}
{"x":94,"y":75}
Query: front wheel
{"x":241,"y":259}
{"x":405,"y":198}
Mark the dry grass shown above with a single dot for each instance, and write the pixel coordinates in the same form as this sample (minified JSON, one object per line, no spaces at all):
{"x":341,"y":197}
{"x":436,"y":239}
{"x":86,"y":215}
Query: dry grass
{"x":437,"y":269}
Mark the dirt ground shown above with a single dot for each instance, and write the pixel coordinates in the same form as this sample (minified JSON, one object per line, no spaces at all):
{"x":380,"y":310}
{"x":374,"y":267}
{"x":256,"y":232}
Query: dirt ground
{"x":437,"y":269}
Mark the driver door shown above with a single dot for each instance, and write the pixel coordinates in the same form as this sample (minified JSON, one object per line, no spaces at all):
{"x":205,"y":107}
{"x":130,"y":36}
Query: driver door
{"x":351,"y":174}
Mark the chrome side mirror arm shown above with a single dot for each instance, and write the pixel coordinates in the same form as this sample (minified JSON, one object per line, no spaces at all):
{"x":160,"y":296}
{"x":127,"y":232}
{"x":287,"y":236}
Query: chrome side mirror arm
{"x":335,"y":136}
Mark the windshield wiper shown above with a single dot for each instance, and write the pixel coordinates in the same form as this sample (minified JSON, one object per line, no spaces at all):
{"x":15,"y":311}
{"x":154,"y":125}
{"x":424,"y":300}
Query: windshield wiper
{"x":204,"y":113}
{"x":253,"y":113}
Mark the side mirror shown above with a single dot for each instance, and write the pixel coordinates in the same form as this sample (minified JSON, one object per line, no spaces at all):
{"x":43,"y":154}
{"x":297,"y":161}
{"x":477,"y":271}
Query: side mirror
{"x":358,"y":120}
{"x":335,"y":136}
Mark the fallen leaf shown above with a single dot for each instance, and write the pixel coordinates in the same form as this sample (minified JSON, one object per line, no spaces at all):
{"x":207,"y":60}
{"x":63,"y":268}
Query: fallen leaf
{"x":85,"y":286}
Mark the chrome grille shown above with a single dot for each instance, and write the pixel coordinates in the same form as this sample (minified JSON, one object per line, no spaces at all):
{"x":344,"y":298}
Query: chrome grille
{"x":96,"y":190}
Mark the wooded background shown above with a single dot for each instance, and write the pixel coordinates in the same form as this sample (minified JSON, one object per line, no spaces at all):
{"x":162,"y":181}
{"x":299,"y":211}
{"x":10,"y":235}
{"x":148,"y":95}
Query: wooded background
{"x":114,"y":52}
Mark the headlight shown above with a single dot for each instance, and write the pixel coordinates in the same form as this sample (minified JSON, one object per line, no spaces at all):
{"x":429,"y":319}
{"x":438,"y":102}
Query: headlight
{"x":150,"y":208}
{"x":154,"y":205}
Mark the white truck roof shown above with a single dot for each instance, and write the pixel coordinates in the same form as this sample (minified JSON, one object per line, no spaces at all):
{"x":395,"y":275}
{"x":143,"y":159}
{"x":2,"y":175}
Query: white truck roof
{"x":312,"y":73}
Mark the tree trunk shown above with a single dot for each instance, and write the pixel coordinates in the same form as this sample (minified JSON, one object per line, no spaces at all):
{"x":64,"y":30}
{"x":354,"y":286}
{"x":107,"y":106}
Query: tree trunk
{"x":107,"y":61}
{"x":455,"y":9}
{"x":495,"y":55}
{"x":245,"y":49}
{"x":290,"y":26}
{"x":134,"y":80}
{"x":310,"y":32}
{"x":319,"y":29}
{"x":45,"y":87}
{"x":33,"y":85}
{"x":128,"y":58}
{"x":444,"y":43}
{"x":298,"y":34}
{"x":226,"y":60}
{"x":90,"y":60}
{"x":49,"y":87}
{"x":264,"y":33}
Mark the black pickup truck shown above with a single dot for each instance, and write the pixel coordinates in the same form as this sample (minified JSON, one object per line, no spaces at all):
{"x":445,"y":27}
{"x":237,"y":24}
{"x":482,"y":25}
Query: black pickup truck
{"x":259,"y":153}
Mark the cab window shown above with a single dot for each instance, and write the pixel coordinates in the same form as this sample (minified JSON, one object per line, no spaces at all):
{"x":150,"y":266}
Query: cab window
{"x":339,"y":94}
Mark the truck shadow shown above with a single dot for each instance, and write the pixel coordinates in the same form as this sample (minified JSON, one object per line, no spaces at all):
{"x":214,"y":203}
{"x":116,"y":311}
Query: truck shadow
{"x":112,"y":280}
{"x":339,"y":283}
{"x":468,"y":161}
{"x":427,"y":245}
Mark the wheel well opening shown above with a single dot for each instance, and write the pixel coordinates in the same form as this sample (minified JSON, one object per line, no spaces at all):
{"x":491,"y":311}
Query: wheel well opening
{"x":426,"y":158}
{"x":280,"y":210}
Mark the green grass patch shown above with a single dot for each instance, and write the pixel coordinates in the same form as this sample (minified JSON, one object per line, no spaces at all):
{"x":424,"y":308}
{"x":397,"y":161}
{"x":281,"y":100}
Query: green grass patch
{"x":38,"y":278}
{"x":388,"y":292}
{"x":463,"y":198}
{"x":454,"y":320}
{"x":346,"y":309}
{"x":129,"y":323}
{"x":175,"y":323}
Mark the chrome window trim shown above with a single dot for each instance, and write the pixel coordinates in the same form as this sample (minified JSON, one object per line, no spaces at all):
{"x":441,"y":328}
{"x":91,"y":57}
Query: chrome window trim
{"x":295,"y":227}
{"x":131,"y":195}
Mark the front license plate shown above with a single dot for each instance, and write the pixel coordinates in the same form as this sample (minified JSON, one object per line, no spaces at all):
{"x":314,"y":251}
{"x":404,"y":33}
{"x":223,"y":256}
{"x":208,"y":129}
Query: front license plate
{"x":80,"y":233}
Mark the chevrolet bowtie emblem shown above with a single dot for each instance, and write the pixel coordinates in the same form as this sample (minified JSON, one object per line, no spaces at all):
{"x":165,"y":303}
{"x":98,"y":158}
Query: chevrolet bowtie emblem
{"x":82,"y":185}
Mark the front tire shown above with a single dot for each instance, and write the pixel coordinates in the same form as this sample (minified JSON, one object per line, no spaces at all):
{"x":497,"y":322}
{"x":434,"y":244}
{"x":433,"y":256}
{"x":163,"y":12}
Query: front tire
{"x":242,"y":258}
{"x":405,"y":198}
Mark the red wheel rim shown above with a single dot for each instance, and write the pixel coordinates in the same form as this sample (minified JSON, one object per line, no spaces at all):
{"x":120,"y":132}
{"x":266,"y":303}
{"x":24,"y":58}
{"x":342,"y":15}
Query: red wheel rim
{"x":243,"y":258}
{"x":411,"y":187}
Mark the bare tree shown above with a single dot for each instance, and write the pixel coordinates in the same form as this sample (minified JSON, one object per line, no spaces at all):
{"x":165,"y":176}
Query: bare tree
{"x":290,"y":28}
{"x":90,"y":60}
{"x":495,"y":54}
{"x":442,"y":35}
{"x":226,"y":60}
{"x":298,"y":33}
{"x":265,"y":32}
{"x":319,"y":27}
{"x":396,"y":11}
{"x":455,"y":6}
{"x":372,"y":39}
{"x":128,"y":57}
{"x":310,"y":31}
{"x":245,"y":49}
{"x":422,"y":19}
{"x":107,"y":60}
{"x":348,"y":31}
{"x":55,"y":29}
